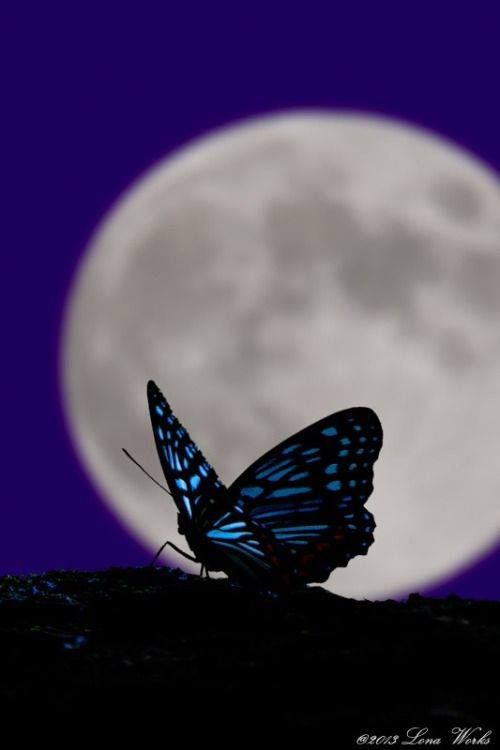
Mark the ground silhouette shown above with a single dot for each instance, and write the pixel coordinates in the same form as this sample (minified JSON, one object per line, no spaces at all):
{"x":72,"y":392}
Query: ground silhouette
{"x":159,"y":646}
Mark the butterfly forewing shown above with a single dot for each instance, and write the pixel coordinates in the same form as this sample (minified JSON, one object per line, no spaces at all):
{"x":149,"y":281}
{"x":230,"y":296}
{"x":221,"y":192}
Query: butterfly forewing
{"x":310,"y":491}
{"x":221,"y":535}
{"x":194,"y":484}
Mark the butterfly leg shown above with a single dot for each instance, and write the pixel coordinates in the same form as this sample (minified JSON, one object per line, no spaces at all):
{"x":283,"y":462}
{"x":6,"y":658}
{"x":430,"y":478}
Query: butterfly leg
{"x":180,"y":551}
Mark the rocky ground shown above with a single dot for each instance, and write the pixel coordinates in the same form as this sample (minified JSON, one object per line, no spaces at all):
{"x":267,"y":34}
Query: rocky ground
{"x":164,"y":648}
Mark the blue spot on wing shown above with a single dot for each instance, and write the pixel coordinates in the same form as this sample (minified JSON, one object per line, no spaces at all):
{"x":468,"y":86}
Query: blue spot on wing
{"x":226,"y":535}
{"x":287,"y":491}
{"x":301,"y":475}
{"x":233,"y":525}
{"x":271,"y":513}
{"x":280,"y":474}
{"x":187,"y":505}
{"x":310,"y":451}
{"x":252,"y":491}
{"x":272,"y":469}
{"x":305,"y":527}
{"x":329,"y":431}
{"x":168,"y":455}
{"x":290,"y":448}
{"x":194,"y":481}
{"x":335,"y":486}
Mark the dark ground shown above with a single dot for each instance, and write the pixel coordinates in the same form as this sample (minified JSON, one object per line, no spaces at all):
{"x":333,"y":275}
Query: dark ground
{"x":157,"y":648}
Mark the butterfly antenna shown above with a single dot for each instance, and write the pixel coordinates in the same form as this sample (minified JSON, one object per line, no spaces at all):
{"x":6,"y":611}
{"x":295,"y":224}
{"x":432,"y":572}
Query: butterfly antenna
{"x":148,"y":475}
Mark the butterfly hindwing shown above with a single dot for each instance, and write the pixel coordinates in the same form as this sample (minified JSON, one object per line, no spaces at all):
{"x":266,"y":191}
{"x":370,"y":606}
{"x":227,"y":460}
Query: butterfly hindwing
{"x":192,"y":481}
{"x":310,"y":491}
{"x":252,"y":553}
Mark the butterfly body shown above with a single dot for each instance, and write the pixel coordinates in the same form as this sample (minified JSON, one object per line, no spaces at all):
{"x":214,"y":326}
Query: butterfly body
{"x":293,"y":516}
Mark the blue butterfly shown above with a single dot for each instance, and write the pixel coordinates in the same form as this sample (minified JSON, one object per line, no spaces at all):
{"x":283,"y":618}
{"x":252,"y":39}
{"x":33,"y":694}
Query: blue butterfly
{"x":293,"y":516}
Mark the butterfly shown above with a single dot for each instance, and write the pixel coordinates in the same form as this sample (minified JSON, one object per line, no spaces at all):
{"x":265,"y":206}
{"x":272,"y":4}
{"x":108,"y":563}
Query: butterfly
{"x":293,"y":516}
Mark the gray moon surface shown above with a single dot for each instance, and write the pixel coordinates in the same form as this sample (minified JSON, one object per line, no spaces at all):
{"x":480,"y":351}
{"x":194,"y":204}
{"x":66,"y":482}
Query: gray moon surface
{"x":282,"y":269}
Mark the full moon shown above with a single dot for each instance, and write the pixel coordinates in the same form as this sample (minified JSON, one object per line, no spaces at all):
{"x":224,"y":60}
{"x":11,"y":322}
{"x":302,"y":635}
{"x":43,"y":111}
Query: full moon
{"x":282,"y":269}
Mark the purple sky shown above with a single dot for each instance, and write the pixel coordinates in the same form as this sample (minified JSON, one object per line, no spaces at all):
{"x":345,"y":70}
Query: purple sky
{"x":95,"y":93}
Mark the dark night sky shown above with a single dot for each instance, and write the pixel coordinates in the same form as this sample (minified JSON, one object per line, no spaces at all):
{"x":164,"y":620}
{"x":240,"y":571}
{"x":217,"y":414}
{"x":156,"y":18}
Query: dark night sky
{"x":93,"y":94}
